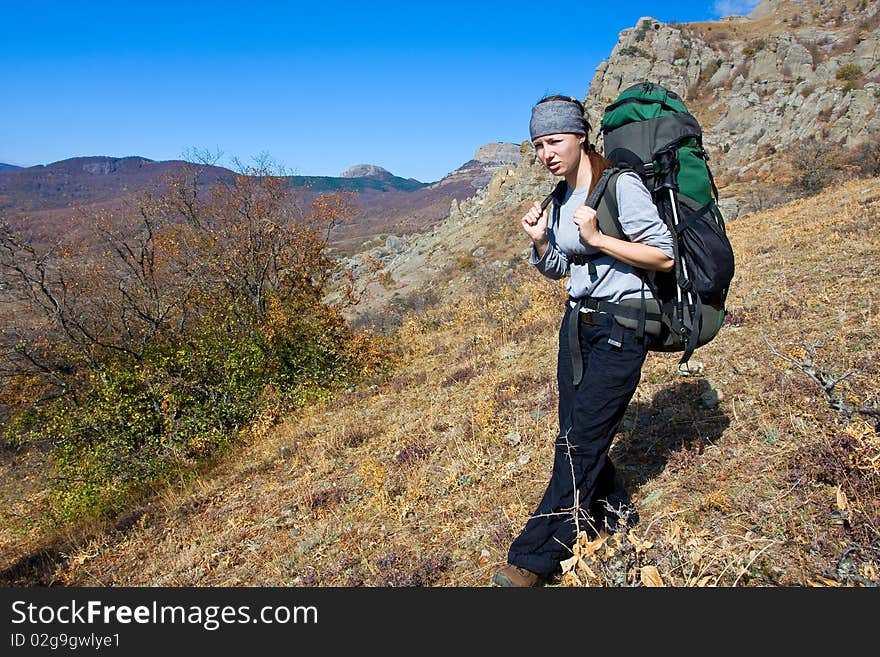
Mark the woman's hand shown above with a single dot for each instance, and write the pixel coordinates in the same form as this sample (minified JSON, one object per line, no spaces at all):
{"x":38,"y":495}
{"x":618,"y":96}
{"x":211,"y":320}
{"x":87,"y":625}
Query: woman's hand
{"x":586,"y":219}
{"x":534,"y":222}
{"x":636,"y":254}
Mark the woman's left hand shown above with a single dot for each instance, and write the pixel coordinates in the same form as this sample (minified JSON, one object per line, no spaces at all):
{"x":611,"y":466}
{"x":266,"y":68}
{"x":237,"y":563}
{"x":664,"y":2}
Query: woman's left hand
{"x":587,"y":222}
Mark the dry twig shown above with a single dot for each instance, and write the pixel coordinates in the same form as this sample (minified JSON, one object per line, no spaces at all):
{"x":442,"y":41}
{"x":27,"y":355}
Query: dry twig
{"x":827,"y":382}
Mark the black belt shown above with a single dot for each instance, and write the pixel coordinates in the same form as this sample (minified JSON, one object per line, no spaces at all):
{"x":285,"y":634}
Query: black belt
{"x":574,"y":339}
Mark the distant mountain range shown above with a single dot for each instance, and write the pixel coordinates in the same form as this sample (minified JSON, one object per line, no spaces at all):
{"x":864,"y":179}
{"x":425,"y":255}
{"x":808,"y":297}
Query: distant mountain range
{"x":57,"y":192}
{"x":88,"y":180}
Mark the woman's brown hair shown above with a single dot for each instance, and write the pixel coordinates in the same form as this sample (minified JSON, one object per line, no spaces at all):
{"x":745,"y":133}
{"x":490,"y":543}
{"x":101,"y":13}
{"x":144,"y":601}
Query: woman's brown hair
{"x":598,"y":163}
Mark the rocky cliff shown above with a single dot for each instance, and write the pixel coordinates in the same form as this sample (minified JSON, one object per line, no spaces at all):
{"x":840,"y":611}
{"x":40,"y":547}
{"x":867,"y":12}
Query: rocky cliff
{"x":477,"y":172}
{"x":789,"y":71}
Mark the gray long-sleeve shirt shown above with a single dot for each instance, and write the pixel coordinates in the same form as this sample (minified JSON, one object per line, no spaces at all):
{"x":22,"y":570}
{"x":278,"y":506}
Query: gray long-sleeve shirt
{"x":614,"y":280}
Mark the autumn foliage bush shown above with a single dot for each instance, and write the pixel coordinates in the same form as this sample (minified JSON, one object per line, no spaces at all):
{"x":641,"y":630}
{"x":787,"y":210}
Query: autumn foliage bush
{"x":138,"y":356}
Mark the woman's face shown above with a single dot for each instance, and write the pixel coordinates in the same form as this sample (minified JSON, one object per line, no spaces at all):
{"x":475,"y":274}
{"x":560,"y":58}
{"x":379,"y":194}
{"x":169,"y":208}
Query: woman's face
{"x":560,"y":153}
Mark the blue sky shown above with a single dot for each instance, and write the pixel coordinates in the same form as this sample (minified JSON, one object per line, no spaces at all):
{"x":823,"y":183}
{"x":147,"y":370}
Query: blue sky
{"x":414,"y":87}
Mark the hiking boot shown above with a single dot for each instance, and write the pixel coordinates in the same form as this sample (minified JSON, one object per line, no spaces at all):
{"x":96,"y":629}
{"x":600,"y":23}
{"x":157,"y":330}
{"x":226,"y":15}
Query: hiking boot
{"x":512,"y":575}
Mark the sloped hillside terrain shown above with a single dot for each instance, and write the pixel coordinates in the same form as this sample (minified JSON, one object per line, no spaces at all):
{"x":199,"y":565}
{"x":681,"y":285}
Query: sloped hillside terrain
{"x":758,"y":466}
{"x":746,"y":472}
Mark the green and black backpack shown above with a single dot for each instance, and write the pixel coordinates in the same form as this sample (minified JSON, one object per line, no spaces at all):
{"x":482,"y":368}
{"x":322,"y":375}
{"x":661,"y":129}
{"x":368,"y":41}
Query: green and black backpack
{"x":649,"y":130}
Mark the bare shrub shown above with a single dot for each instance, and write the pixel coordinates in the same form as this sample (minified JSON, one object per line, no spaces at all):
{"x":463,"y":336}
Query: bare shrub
{"x":463,"y":375}
{"x":864,"y":158}
{"x":814,"y":166}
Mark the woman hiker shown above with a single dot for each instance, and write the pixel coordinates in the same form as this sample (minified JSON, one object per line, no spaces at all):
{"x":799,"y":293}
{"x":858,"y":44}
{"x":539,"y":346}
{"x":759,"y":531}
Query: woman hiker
{"x":595,"y":388}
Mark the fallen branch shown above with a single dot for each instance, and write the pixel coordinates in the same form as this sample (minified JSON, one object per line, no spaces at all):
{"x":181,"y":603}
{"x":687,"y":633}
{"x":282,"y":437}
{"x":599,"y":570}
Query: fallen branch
{"x":827,"y":382}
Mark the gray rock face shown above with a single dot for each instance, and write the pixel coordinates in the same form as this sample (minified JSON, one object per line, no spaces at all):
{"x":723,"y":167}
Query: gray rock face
{"x":103,"y":166}
{"x":498,"y":153}
{"x":761,"y":83}
{"x":365,"y":171}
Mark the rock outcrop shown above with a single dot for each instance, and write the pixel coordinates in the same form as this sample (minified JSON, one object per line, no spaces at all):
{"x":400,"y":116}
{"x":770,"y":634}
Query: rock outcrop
{"x":366,"y":171}
{"x":499,"y":153}
{"x":788,"y":72}
{"x":478,"y":172}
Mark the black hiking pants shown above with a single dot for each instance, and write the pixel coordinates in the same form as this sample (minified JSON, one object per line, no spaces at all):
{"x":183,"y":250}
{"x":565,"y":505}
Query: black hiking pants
{"x":589,"y":416}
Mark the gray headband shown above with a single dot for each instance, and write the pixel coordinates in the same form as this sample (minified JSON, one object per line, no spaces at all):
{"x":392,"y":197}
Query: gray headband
{"x":556,"y":116}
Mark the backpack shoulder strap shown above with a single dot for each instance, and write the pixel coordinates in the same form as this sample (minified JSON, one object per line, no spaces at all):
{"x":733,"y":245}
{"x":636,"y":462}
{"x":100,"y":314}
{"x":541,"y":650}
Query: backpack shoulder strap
{"x":605,"y":203}
{"x":555,"y":196}
{"x":603,"y":199}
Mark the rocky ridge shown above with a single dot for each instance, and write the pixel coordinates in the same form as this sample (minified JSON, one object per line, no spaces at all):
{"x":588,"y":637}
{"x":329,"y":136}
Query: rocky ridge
{"x":488,"y":159}
{"x":478,"y":233}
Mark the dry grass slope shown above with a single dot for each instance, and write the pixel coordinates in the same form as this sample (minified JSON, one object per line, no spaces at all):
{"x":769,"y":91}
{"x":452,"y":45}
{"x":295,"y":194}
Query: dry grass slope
{"x":744,"y":474}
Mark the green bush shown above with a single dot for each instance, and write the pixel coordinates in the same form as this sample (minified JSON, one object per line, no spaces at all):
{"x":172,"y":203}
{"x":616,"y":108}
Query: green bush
{"x":634,"y":51}
{"x":137,"y":427}
{"x":754,"y":48}
{"x":849,"y":72}
{"x":466,"y":263}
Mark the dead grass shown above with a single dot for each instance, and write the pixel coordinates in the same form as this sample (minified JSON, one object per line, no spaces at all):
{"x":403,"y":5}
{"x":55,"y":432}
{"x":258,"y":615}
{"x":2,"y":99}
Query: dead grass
{"x":425,"y":478}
